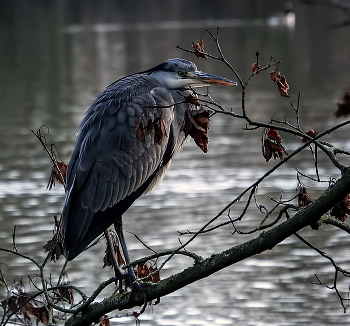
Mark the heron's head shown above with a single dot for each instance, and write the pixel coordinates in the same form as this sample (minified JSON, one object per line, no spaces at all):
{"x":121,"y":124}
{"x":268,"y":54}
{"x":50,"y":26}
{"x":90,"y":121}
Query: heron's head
{"x":180,"y":73}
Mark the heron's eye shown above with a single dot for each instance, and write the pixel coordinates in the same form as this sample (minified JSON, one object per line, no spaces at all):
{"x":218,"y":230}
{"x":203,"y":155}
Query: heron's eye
{"x":182,"y":74}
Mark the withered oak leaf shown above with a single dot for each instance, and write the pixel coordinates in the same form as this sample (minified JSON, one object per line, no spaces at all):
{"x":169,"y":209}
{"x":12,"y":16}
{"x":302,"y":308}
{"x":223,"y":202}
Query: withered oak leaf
{"x":196,"y":125}
{"x":270,"y":148}
{"x":192,"y":99}
{"x":198,"y":48}
{"x":281,"y":82}
{"x":274,"y":135}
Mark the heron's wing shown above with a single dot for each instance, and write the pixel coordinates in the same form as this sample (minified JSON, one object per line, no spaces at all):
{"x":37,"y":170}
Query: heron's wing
{"x":112,"y":164}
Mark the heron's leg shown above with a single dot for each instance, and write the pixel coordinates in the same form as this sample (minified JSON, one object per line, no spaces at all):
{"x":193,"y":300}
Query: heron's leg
{"x":117,"y":270}
{"x":135,"y":285}
{"x":119,"y":230}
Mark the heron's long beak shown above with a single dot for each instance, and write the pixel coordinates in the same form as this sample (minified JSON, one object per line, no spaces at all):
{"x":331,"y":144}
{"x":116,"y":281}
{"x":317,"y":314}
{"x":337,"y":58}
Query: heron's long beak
{"x":205,"y":79}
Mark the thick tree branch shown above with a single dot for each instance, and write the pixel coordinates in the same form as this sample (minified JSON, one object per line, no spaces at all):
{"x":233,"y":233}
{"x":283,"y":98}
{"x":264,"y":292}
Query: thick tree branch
{"x":265,"y":241}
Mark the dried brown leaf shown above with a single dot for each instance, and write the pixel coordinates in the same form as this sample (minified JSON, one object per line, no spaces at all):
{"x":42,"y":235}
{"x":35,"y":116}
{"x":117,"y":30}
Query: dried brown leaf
{"x":104,"y":321}
{"x":270,"y":148}
{"x":274,"y":135}
{"x":23,"y":302}
{"x":57,"y":251}
{"x":148,"y":273}
{"x":66,"y":294}
{"x":255,"y":68}
{"x":41,"y":314}
{"x":342,"y":209}
{"x":281,"y":82}
{"x":55,"y":175}
{"x":155,"y":276}
{"x":196,"y":125}
{"x":199,"y":47}
{"x":311,"y":133}
{"x":18,"y":303}
{"x":192,"y":99}
{"x":303,"y":197}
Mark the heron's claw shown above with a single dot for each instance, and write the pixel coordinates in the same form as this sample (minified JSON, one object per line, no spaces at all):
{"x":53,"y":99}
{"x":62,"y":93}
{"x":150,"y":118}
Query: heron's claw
{"x":139,"y":286}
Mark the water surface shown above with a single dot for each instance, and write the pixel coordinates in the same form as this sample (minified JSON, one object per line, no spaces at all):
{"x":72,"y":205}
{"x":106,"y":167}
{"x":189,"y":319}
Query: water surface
{"x":56,"y":58}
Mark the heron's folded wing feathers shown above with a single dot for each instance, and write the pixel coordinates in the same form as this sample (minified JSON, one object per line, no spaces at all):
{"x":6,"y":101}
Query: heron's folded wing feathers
{"x":110,"y":162}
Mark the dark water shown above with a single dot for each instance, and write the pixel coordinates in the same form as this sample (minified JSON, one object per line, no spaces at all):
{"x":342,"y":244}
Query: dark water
{"x":55,"y":57}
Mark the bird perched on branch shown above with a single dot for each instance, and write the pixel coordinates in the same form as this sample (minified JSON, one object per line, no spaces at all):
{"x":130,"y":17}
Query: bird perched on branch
{"x":126,"y":142}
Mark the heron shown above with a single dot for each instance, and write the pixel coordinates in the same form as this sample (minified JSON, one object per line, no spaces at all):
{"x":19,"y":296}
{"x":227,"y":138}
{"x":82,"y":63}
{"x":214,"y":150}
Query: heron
{"x":110,"y":166}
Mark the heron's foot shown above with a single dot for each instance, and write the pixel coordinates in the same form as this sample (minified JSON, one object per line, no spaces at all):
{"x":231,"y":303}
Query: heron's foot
{"x":138,"y":286}
{"x":141,"y":287}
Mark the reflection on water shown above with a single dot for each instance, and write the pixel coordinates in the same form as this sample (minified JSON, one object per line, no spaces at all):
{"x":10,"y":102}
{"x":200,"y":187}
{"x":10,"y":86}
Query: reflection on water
{"x":54,"y":60}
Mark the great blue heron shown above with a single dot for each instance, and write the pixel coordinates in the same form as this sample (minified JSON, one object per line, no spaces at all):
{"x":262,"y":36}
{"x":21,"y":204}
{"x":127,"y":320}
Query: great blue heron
{"x":110,"y":166}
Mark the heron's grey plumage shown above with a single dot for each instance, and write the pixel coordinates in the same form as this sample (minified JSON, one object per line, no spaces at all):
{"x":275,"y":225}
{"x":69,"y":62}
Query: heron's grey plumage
{"x":110,"y":166}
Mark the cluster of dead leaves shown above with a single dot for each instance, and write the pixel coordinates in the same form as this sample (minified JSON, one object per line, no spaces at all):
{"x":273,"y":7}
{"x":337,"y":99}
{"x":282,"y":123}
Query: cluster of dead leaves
{"x":272,"y":146}
{"x":342,"y":209}
{"x":157,"y":125}
{"x":148,"y":273}
{"x":196,"y":123}
{"x":65,"y":293}
{"x":198,"y":48}
{"x":343,"y":105}
{"x":41,"y":314}
{"x":281,"y":82}
{"x":21,"y":303}
{"x":275,"y":76}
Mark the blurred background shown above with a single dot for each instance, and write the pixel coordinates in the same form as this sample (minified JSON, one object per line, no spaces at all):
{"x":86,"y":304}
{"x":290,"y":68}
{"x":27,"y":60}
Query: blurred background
{"x":57,"y":56}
